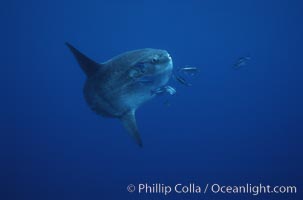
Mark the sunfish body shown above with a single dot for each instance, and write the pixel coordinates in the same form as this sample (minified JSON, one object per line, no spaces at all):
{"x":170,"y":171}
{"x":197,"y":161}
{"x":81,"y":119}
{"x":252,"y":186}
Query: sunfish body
{"x":119,"y":86}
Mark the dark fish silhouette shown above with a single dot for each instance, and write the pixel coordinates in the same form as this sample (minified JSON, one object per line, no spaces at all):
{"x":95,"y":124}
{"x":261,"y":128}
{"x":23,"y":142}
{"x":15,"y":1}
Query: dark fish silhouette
{"x":181,"y":80}
{"x":165,"y":89}
{"x":242,"y":61}
{"x":189,"y":70}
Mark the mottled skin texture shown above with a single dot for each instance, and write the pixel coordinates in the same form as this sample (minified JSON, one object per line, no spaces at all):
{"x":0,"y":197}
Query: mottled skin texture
{"x":113,"y":92}
{"x":119,"y":86}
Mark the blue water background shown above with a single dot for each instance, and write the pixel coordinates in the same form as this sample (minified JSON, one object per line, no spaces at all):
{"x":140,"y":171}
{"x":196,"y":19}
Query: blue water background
{"x":231,"y":127}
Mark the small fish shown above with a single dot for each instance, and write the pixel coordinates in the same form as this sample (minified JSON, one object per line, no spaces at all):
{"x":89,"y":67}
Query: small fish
{"x":241,"y":62}
{"x":181,"y":80}
{"x":157,"y":91}
{"x":170,"y":90}
{"x":165,"y":89}
{"x":189,"y":70}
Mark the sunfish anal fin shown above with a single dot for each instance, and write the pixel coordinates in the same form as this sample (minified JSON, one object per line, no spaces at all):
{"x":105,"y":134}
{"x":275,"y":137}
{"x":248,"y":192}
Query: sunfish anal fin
{"x":129,"y":122}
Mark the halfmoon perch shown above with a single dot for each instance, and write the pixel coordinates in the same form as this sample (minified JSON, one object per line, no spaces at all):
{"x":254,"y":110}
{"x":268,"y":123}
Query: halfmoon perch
{"x":119,"y":86}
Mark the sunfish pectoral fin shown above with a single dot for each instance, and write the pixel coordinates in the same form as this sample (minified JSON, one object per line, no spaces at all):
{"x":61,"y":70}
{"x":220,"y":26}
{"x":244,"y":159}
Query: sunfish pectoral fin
{"x":89,"y":66}
{"x":129,"y":122}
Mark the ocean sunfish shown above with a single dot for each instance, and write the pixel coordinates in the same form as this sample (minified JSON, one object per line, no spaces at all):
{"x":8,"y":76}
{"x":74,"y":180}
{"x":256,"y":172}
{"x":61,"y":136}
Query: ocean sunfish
{"x":119,"y":86}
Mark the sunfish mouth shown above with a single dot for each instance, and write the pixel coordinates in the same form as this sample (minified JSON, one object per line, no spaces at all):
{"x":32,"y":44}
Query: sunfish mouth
{"x":165,"y":57}
{"x":165,"y":63}
{"x":162,"y":59}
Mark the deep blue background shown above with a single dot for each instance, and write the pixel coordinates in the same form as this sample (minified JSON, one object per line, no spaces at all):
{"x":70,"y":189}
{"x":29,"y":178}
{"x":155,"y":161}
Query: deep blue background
{"x":231,"y":127}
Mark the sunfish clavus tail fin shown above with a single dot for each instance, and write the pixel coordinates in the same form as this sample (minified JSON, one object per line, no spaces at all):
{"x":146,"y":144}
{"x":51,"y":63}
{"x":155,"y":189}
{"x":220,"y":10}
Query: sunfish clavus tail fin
{"x":129,"y":122}
{"x":89,"y":66}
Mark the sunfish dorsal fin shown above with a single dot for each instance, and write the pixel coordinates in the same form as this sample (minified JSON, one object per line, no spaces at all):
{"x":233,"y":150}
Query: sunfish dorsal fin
{"x":129,"y":122}
{"x":89,"y":66}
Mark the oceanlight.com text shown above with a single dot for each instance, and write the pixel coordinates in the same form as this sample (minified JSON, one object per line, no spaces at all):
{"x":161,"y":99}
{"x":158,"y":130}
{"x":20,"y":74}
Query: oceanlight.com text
{"x":194,"y":188}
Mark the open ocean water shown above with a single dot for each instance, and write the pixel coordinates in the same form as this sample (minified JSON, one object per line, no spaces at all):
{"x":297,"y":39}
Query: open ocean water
{"x":232,"y":127}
